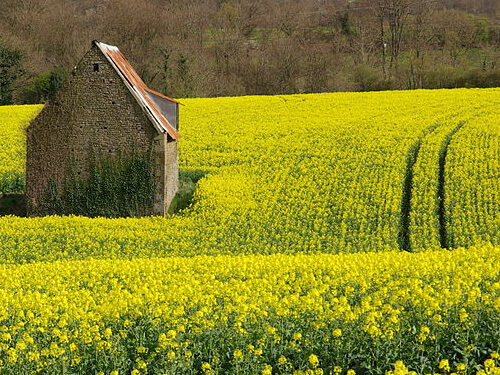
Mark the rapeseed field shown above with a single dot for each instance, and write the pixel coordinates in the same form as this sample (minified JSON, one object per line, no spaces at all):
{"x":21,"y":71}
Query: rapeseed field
{"x":251,"y":314}
{"x":13,"y":121}
{"x":349,"y":233}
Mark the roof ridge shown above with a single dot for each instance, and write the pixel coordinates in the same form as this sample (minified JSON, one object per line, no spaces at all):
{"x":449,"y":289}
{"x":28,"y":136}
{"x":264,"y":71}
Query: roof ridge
{"x":138,"y":88}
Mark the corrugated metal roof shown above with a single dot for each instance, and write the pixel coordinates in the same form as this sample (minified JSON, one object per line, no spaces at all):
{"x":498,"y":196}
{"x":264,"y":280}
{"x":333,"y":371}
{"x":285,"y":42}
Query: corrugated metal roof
{"x":138,"y":88}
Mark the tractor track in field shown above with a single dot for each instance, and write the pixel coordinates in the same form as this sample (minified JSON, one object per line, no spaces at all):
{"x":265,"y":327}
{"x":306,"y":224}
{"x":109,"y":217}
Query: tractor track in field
{"x":404,"y":231}
{"x":443,"y":153}
{"x":411,"y":159}
{"x":407,"y":190}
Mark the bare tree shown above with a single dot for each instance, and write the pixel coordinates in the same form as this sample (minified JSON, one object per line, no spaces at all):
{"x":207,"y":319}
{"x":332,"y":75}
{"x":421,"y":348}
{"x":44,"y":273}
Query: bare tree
{"x":420,"y":37}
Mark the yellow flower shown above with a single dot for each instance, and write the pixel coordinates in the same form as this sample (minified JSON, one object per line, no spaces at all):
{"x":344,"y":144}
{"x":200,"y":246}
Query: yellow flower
{"x":206,"y":366}
{"x":238,"y":354}
{"x":461,"y":367}
{"x":171,"y":334}
{"x":21,"y":345}
{"x":268,"y":370}
{"x":424,"y":333}
{"x":489,"y":363}
{"x":463,"y":315}
{"x":444,"y":364}
{"x":282,"y":360}
{"x":12,"y":355}
{"x":400,"y":368}
{"x":5,"y":337}
{"x":313,"y":360}
{"x":337,"y":332}
{"x":351,"y":372}
{"x":33,"y":356}
{"x":107,"y":333}
{"x":297,"y":336}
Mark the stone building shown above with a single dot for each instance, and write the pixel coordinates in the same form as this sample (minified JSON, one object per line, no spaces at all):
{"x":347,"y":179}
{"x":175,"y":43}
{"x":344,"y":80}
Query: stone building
{"x":104,"y":111}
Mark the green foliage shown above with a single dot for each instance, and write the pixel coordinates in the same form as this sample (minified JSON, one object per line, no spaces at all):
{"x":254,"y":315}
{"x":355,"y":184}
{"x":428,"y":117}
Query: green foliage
{"x":367,"y":78}
{"x":12,"y":182}
{"x":453,"y":77}
{"x":187,"y":186}
{"x":114,"y":187}
{"x":10,"y":70}
{"x":53,"y":202}
{"x":44,"y":87}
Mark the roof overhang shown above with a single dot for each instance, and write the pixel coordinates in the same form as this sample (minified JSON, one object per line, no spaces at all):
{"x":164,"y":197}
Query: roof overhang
{"x":138,"y":88}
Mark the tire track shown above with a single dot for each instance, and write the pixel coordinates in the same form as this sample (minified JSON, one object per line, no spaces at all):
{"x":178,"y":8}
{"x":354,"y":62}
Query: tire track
{"x":443,"y":152}
{"x":411,"y":159}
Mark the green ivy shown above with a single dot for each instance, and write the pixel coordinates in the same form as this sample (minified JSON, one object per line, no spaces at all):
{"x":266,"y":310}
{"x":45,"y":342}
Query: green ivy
{"x":121,"y":186}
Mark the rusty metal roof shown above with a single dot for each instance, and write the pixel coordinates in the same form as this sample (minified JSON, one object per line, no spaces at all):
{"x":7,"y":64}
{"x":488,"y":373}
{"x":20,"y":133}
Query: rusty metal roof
{"x":138,"y":88}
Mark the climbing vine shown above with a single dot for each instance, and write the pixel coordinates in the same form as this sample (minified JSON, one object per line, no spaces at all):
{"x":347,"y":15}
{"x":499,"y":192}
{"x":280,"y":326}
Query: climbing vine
{"x":119,"y":186}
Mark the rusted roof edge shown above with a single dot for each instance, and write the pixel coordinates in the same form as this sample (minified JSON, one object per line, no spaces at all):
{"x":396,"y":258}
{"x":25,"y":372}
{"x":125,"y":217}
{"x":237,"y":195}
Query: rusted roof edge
{"x":160,"y":128}
{"x":162,"y":96}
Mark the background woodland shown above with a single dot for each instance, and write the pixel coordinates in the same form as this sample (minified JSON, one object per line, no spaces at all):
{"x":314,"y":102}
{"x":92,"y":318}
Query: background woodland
{"x":204,"y":48}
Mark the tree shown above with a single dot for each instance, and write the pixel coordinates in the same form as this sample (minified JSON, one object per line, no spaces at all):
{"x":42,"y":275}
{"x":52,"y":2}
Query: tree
{"x":420,"y":41}
{"x":10,"y":70}
{"x":43,"y":88}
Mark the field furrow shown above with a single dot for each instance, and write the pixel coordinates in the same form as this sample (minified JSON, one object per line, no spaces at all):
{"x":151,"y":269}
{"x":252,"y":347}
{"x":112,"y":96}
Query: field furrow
{"x":426,"y":224}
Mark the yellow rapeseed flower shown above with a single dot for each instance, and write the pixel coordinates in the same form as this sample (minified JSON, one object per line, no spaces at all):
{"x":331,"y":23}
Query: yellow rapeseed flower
{"x":313,"y":360}
{"x":268,"y":370}
{"x":444,"y":365}
{"x":237,"y":354}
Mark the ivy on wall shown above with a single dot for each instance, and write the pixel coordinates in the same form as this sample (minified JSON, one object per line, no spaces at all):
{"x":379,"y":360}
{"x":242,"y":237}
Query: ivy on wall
{"x":121,"y":186}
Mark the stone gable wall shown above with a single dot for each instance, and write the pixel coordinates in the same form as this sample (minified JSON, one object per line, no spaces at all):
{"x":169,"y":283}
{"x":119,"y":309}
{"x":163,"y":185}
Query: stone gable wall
{"x":171,"y":174}
{"x":93,"y":114}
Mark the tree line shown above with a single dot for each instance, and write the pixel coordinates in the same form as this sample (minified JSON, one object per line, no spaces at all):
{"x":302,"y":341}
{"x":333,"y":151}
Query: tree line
{"x":238,"y":47}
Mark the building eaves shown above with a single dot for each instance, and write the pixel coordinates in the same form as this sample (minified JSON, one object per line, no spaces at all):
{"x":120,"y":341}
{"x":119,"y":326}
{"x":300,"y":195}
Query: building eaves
{"x":138,"y":88}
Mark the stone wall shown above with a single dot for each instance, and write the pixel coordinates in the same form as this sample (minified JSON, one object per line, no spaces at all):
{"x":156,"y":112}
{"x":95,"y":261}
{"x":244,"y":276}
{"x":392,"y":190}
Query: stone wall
{"x":171,"y":172}
{"x":94,"y":114}
{"x":159,"y":172}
